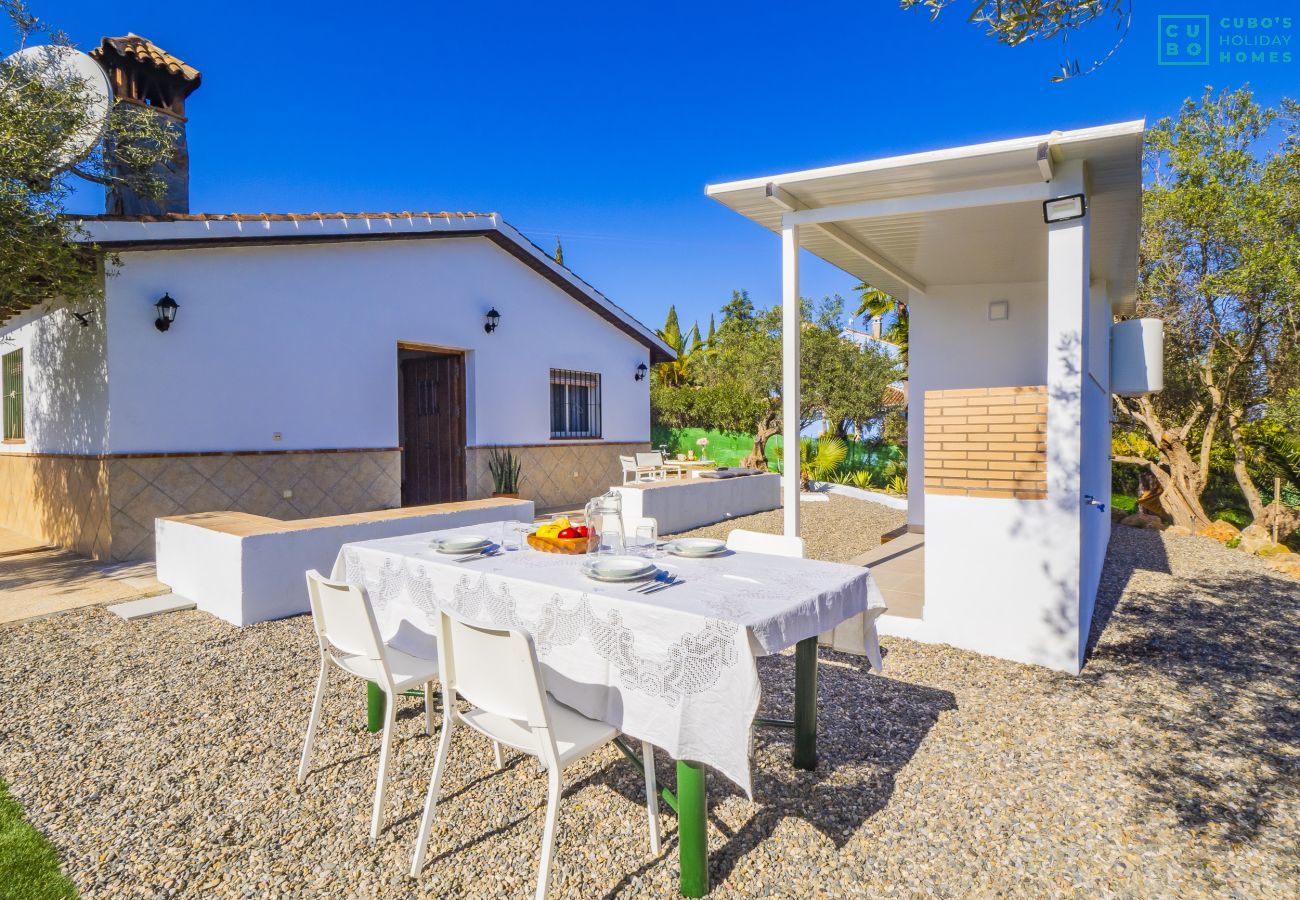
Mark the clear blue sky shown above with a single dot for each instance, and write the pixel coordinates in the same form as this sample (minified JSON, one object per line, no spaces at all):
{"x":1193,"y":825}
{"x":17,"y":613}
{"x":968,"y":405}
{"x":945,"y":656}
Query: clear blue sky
{"x":602,"y":122}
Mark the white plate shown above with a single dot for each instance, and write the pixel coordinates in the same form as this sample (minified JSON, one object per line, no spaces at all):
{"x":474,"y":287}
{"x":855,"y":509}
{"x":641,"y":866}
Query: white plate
{"x":461,"y":543}
{"x":695,"y":547}
{"x":618,"y":568}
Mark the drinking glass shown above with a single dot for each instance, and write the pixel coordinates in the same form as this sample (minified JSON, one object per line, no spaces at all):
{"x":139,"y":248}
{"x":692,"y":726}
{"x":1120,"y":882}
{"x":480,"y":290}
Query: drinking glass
{"x":511,"y":537}
{"x":646,"y":539}
{"x":611,"y":540}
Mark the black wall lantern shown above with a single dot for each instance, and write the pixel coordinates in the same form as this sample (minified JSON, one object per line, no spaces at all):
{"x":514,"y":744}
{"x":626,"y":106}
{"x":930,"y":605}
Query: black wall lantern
{"x":493,"y":319}
{"x":640,"y":371}
{"x":166,"y":312}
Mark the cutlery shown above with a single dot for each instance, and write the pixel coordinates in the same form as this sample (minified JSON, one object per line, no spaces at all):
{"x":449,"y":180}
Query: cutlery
{"x":480,"y":555}
{"x":672,"y":582}
{"x":644,"y":587}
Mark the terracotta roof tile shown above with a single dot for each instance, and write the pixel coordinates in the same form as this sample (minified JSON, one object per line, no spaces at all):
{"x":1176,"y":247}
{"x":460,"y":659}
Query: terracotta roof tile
{"x":284,"y":217}
{"x":145,"y":50}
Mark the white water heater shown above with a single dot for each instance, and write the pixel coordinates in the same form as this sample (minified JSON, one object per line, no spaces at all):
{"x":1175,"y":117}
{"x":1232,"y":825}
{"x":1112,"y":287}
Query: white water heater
{"x":1137,"y":357}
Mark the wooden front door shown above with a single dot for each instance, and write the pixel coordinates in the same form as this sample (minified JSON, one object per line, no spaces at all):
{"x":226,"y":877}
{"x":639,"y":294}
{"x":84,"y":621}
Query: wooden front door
{"x":433,"y":429}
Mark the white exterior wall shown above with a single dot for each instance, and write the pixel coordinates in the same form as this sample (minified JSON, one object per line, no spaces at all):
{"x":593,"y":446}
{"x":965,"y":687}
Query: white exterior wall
{"x":1018,"y":578}
{"x":65,"y":393}
{"x":990,"y":563}
{"x":954,"y":345}
{"x":302,"y":340}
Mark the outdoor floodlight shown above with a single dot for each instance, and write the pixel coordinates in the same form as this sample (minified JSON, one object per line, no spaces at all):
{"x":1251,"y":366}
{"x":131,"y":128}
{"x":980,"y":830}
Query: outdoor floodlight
{"x":1063,"y":209}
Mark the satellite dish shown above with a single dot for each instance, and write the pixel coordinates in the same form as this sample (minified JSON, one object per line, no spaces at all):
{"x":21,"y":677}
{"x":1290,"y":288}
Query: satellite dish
{"x":63,"y":66}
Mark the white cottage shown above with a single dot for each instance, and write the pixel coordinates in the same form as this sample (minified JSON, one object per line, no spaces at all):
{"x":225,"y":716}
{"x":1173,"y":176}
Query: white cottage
{"x":1013,"y":257}
{"x":313,"y":365}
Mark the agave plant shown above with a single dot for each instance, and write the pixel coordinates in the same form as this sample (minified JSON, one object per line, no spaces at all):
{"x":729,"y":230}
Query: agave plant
{"x":897,"y":485}
{"x":863,"y":479}
{"x":504,"y":466}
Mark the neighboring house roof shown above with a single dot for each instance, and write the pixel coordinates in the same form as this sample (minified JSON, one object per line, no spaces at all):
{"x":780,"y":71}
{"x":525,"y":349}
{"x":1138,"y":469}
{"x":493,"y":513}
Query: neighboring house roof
{"x":136,"y":47}
{"x":861,"y":338}
{"x":177,"y":230}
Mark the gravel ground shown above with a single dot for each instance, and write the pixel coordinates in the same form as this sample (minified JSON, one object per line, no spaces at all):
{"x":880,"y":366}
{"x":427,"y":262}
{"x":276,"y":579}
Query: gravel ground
{"x":159,"y":758}
{"x":835,"y":531}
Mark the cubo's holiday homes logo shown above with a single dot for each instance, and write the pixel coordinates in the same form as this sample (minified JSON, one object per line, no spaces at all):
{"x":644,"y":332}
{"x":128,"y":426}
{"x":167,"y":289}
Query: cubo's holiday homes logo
{"x":1201,"y":40}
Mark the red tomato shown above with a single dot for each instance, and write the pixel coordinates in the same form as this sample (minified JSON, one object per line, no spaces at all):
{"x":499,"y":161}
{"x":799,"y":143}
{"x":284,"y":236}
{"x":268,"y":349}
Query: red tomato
{"x":583,"y":531}
{"x":567,"y":533}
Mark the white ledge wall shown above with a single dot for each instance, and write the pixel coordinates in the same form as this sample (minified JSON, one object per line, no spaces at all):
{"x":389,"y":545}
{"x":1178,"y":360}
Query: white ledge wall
{"x":245,"y":579}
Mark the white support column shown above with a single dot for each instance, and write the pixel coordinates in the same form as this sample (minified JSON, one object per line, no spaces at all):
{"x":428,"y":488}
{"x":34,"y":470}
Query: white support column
{"x":1067,"y":365}
{"x":918,"y":380}
{"x":790,"y":323}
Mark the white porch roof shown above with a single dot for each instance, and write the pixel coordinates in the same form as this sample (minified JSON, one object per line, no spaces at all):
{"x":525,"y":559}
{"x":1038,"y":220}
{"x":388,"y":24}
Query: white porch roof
{"x":969,"y":215}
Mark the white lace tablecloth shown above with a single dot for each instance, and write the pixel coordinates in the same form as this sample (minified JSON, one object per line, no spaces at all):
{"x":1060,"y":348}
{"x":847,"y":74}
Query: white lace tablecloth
{"x":675,"y":668}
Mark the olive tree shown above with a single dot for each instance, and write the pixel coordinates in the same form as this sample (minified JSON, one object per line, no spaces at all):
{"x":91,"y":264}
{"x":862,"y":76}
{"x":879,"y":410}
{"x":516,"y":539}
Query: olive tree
{"x":41,"y":260}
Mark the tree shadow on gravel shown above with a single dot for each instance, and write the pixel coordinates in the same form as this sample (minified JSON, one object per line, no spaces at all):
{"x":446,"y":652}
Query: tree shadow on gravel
{"x":1204,"y":667}
{"x":869,"y":727}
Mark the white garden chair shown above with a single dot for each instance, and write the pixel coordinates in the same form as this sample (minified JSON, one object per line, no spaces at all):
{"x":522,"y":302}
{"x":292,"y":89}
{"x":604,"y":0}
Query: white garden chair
{"x":349,"y":639}
{"x":496,"y":670}
{"x":759,"y":542}
{"x":654,"y":460}
{"x":633,"y":472}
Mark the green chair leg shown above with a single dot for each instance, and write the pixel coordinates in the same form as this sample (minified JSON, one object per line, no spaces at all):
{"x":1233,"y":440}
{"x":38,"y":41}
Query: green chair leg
{"x":805,"y":704}
{"x":374,"y":707}
{"x":692,"y":829}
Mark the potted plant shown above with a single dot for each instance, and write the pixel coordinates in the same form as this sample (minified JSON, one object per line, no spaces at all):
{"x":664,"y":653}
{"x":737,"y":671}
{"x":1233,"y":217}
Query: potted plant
{"x":504,"y":466}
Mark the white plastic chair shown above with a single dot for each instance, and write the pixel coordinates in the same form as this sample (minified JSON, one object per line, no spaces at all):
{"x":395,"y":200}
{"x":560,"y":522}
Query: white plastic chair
{"x":496,"y":670}
{"x":760,"y":542}
{"x":632,"y":472}
{"x":349,"y":638}
{"x":654,"y":461}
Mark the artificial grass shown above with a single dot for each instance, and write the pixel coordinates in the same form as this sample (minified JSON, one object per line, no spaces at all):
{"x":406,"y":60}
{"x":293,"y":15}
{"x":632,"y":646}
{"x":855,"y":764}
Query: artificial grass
{"x":1124,"y":502}
{"x":29,"y":867}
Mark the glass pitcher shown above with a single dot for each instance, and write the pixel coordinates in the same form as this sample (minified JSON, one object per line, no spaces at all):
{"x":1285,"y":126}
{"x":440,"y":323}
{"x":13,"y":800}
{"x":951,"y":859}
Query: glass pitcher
{"x":604,"y":517}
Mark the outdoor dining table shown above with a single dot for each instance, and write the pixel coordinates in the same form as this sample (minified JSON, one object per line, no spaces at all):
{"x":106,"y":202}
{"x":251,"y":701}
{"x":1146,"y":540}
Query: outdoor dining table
{"x":674,"y":667}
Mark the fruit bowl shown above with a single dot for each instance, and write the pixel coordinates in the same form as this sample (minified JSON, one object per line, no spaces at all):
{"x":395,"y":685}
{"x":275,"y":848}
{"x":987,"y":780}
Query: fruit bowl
{"x":571,"y":546}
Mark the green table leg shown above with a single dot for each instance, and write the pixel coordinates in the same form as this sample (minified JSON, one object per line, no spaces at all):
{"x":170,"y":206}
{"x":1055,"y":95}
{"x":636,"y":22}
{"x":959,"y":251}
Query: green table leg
{"x":374,"y":707}
{"x":805,"y":704}
{"x":692,"y":829}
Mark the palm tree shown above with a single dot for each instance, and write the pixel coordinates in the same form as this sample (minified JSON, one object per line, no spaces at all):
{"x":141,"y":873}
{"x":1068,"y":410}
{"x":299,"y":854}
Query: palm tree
{"x":875,"y":303}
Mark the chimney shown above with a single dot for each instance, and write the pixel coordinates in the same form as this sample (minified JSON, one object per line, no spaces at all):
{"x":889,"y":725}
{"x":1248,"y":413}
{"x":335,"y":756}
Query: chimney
{"x":875,"y":327}
{"x":146,"y":75}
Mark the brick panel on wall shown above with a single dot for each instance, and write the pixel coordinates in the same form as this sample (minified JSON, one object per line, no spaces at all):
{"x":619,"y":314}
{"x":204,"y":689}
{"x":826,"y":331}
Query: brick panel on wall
{"x":987,"y":442}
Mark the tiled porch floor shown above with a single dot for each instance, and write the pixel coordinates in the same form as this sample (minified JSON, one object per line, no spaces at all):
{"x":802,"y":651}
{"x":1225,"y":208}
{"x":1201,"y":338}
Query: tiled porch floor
{"x":37,"y":579}
{"x":899,"y":569}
